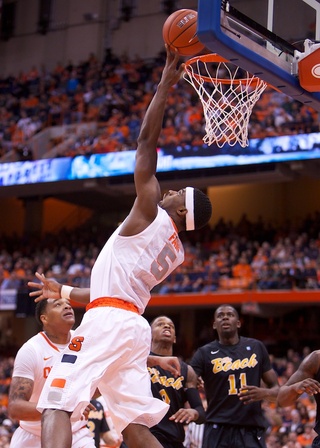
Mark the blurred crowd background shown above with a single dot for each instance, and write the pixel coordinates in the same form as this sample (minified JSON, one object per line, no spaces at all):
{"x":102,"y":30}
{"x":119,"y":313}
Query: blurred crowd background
{"x":112,"y":94}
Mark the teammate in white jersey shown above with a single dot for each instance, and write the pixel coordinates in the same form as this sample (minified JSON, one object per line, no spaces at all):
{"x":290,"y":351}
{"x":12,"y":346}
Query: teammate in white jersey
{"x":110,"y":348}
{"x":32,"y":365}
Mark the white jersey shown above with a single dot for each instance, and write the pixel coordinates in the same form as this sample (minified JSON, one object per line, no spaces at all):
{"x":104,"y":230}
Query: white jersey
{"x":34,"y":361}
{"x":128,"y":267}
{"x":111,"y":344}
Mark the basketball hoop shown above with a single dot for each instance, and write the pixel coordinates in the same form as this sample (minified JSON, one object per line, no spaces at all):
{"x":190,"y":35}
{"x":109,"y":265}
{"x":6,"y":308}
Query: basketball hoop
{"x":228,"y":95}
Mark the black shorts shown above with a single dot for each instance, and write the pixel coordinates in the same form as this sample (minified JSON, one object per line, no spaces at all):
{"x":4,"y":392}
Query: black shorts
{"x":316,"y":442}
{"x":165,"y":440}
{"x":230,"y":436}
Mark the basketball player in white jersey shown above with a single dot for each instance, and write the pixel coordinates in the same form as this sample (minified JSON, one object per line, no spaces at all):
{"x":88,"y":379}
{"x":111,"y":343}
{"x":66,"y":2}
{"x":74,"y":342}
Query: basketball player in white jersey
{"x":32,"y":365}
{"x":109,"y":349}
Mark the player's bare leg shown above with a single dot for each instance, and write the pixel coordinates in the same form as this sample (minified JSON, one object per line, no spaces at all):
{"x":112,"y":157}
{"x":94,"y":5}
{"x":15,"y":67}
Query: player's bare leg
{"x":139,"y":436}
{"x":55,"y":429}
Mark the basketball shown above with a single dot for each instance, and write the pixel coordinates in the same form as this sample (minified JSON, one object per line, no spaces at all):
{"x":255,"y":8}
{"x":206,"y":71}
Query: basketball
{"x":179,"y":32}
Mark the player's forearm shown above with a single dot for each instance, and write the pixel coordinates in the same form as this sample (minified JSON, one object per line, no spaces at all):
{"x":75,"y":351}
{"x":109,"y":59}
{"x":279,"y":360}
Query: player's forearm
{"x":195,"y":403}
{"x":271,"y":394}
{"x":23,"y":410}
{"x":153,"y":360}
{"x":80,"y":295}
{"x":170,"y":363}
{"x":287,"y":395}
{"x":152,"y":122}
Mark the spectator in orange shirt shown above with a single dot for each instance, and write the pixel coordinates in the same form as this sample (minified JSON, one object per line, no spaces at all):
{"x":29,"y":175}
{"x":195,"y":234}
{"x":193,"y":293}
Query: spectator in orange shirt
{"x":243,"y":270}
{"x":305,"y":439}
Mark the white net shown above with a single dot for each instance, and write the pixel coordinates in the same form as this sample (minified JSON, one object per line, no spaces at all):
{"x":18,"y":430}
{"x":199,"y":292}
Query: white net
{"x":228,"y":95}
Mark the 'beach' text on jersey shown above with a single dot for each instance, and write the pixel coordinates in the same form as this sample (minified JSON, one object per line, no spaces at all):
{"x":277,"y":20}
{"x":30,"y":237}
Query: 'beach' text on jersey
{"x":155,"y":377}
{"x":226,"y":364}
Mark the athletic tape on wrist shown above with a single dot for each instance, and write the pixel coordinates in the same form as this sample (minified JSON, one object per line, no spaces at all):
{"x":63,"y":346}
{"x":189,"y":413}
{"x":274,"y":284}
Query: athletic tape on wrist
{"x":66,"y":291}
{"x":190,"y":208}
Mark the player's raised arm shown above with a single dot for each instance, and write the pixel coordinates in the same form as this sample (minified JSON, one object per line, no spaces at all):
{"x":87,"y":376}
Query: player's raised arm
{"x":146,"y":156}
{"x":146,"y":184}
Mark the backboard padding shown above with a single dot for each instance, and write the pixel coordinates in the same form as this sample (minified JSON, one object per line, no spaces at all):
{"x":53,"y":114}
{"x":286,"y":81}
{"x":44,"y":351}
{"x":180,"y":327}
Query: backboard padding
{"x":229,"y":37}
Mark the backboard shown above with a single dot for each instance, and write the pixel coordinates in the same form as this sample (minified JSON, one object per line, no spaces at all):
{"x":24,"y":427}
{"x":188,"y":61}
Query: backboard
{"x":264,"y":37}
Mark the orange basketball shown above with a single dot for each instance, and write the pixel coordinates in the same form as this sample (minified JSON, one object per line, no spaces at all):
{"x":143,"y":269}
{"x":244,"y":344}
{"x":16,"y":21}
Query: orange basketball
{"x":179,"y":32}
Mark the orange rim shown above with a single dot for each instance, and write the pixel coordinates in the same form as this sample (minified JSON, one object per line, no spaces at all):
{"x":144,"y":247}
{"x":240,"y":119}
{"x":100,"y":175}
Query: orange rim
{"x":214,"y":57}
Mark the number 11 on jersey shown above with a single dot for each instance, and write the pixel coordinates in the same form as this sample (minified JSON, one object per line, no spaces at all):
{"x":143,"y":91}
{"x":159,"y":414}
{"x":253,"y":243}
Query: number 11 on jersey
{"x":232,"y":383}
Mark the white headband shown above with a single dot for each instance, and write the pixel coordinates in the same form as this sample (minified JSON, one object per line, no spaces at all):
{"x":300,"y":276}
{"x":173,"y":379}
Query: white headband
{"x":190,"y":208}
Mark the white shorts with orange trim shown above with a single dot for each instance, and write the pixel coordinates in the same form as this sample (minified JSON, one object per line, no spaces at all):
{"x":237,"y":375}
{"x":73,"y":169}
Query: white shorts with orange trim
{"x":108,"y":350}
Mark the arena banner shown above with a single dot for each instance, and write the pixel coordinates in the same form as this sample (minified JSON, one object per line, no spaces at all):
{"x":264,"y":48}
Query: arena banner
{"x":299,"y":147}
{"x":8,"y":299}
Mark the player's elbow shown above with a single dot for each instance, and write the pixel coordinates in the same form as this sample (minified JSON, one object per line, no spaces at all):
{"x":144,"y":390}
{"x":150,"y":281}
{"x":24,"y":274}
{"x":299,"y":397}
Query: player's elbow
{"x":14,"y":410}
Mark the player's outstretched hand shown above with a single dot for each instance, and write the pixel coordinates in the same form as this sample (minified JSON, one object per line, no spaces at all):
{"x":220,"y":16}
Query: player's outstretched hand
{"x":170,"y":363}
{"x":86,"y":412}
{"x":111,"y":439}
{"x":310,"y":386}
{"x":47,"y":289}
{"x":185,"y":415}
{"x":249,"y":394}
{"x":172,"y":71}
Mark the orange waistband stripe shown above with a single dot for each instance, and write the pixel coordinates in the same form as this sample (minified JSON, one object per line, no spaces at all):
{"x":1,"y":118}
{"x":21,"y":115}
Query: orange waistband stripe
{"x":113,"y":302}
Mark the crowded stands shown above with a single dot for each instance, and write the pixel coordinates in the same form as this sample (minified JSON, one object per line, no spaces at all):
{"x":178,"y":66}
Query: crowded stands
{"x":112,"y":95}
{"x":247,"y":255}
